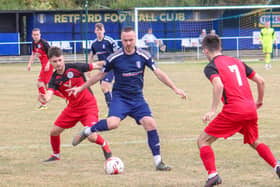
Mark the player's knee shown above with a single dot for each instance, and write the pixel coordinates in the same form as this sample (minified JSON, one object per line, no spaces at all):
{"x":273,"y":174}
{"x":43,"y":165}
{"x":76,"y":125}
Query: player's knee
{"x":150,"y":126}
{"x":199,"y":142}
{"x":205,"y":140}
{"x":148,"y":123}
{"x":92,"y":137}
{"x":113,"y":122}
{"x":54,"y":132}
{"x":113,"y":125}
{"x":40,"y":84}
{"x":202,"y":142}
{"x":255,"y":144}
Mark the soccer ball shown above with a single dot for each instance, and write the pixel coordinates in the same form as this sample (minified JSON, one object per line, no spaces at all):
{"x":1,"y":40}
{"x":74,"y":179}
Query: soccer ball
{"x":113,"y":166}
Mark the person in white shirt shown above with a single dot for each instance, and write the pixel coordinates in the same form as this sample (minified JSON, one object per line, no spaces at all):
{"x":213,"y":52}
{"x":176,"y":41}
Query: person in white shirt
{"x":202,"y":35}
{"x":152,"y":42}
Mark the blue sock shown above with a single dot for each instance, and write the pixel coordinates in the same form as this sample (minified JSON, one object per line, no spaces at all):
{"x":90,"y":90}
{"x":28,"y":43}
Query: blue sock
{"x":100,"y":126}
{"x":153,"y":140}
{"x":108,"y":98}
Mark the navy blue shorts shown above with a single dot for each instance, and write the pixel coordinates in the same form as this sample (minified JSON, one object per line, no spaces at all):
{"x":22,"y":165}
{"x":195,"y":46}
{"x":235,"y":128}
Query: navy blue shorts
{"x":109,"y":77}
{"x":135,"y":108}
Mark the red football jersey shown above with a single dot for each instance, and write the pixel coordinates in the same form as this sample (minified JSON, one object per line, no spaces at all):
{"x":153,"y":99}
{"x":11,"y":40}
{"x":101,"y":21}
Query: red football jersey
{"x":41,"y":49}
{"x":73,"y":76}
{"x":237,"y":96}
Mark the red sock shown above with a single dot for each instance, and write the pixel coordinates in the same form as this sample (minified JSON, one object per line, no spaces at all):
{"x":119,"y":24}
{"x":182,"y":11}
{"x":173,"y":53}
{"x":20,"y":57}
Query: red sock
{"x":103,"y":143}
{"x":208,"y":158}
{"x":55,"y":142}
{"x":42,"y":91}
{"x":266,"y":154}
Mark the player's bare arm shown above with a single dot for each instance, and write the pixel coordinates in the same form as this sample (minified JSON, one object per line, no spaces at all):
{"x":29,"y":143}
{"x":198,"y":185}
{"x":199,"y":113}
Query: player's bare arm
{"x":31,"y":59}
{"x":93,"y":80}
{"x":98,"y":64}
{"x":260,"y":86}
{"x":90,"y":59}
{"x":217,"y":94}
{"x":47,"y":67}
{"x":165,"y":79}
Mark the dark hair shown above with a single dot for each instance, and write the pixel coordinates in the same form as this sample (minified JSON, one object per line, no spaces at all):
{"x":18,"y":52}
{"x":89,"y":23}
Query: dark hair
{"x":127,"y":29}
{"x":99,"y":26}
{"x":36,"y":29}
{"x":212,"y":43}
{"x":54,"y":51}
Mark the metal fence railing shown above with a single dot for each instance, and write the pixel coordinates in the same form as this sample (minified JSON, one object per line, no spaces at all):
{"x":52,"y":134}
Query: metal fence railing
{"x":176,"y":48}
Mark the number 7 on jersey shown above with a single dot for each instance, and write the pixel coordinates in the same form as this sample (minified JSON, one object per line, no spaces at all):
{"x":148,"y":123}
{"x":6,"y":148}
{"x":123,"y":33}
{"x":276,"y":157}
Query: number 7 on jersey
{"x":234,"y":69}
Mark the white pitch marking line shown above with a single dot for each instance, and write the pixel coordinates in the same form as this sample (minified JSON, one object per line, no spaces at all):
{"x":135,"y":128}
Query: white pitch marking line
{"x":17,"y":147}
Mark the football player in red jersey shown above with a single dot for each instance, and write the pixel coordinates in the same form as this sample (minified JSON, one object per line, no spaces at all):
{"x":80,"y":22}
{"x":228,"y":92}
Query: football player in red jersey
{"x":40,"y":48}
{"x":82,"y":108}
{"x":229,"y":77}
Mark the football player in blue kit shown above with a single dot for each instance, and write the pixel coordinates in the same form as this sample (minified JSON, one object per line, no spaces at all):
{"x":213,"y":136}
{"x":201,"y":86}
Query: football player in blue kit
{"x":129,"y":64}
{"x":102,"y":47}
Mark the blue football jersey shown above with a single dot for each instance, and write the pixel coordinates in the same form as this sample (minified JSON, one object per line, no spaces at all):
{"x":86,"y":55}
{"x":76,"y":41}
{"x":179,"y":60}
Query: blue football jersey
{"x":129,"y":71}
{"x":104,"y":47}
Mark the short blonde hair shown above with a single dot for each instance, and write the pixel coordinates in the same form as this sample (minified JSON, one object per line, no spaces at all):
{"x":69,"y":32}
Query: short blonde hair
{"x":99,"y":26}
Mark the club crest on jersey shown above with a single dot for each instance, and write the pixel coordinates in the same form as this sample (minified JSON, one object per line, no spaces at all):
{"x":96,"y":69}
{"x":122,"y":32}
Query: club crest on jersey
{"x":39,"y":46}
{"x":103,"y":46}
{"x":70,"y":75}
{"x":138,"y":64}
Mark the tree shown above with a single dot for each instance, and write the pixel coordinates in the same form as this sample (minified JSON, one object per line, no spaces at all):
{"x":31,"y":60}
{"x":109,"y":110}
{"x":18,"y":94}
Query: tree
{"x":117,"y":4}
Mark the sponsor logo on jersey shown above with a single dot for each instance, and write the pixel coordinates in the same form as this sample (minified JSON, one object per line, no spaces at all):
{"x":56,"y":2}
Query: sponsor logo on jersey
{"x":70,"y":75}
{"x":130,"y":74}
{"x":138,"y":64}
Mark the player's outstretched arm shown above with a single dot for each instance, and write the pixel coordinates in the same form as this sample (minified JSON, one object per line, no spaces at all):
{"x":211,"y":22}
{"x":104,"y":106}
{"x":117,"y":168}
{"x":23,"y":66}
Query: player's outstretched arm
{"x":94,"y":65}
{"x":31,"y":59}
{"x":260,"y":85}
{"x":93,"y":79}
{"x":47,"y":67}
{"x":98,"y":64}
{"x":90,"y":58}
{"x":165,"y":79}
{"x":218,"y":88}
